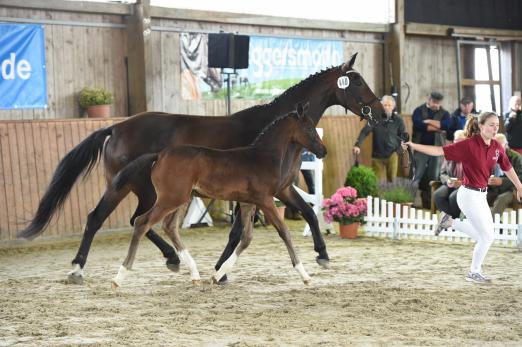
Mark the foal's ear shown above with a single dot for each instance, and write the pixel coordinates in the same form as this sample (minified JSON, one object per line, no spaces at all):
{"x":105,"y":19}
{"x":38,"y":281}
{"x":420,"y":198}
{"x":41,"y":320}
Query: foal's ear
{"x":349,"y":65}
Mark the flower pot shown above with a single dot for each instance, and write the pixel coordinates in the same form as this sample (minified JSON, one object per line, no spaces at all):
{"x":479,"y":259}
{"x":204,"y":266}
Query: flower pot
{"x":349,"y":231}
{"x":280,"y":212}
{"x":98,"y":111}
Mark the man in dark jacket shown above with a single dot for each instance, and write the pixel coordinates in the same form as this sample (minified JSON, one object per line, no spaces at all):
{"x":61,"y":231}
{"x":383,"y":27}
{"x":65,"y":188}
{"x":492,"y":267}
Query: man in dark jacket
{"x":386,"y":141}
{"x":514,"y":124}
{"x":459,"y":117}
{"x":430,"y":123}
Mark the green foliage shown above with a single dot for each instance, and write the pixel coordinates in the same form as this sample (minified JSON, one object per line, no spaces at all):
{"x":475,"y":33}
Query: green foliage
{"x":95,"y":96}
{"x":363,"y":179}
{"x":398,"y":195}
{"x":263,"y":90}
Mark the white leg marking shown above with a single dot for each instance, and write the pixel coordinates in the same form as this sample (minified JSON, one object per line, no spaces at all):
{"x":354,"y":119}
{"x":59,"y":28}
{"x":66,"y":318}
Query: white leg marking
{"x":226,"y":267}
{"x":185,"y":257}
{"x":123,"y":272}
{"x":300,"y":269}
{"x":77,"y":270}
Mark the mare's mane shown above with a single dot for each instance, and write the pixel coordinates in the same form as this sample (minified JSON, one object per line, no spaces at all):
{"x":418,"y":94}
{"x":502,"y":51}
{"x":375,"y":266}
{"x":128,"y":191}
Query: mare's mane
{"x":306,"y":82}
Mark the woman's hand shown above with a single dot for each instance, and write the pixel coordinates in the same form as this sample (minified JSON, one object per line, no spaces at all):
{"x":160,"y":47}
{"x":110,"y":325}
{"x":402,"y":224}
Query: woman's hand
{"x":519,"y":194}
{"x":356,"y":150}
{"x":405,"y":145}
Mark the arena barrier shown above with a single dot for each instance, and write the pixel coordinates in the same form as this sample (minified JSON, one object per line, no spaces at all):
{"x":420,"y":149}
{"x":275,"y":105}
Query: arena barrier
{"x":386,"y":219}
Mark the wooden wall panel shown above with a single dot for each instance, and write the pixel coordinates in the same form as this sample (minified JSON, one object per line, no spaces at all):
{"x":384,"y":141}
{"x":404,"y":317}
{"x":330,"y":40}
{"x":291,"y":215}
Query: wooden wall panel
{"x":77,"y":56}
{"x":30,"y":152}
{"x":429,"y":64}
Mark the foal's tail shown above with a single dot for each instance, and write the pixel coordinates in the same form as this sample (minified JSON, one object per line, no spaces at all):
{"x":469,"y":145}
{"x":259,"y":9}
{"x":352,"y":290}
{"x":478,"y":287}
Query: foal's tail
{"x":133,"y":169}
{"x":80,"y":160}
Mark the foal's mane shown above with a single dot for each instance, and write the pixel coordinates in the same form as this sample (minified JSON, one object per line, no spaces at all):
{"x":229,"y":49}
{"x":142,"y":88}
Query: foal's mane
{"x":271,"y":125}
{"x":306,"y":82}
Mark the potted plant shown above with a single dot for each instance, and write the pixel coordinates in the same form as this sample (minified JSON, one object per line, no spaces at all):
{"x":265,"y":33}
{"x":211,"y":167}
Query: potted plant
{"x":96,"y":101}
{"x":398,"y":195}
{"x":344,"y":207}
{"x":363,"y":179}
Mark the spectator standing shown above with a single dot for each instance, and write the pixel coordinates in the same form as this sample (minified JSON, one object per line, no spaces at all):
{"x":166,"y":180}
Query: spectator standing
{"x":459,"y":117}
{"x":514,"y":124}
{"x":500,"y":188}
{"x":430,"y":123}
{"x":386,"y":141}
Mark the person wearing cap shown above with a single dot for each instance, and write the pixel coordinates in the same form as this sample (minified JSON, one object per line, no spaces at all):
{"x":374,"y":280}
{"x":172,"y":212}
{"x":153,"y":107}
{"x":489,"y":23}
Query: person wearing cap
{"x":458,"y":118}
{"x":513,"y":120}
{"x":386,"y":141}
{"x":430,"y":123}
{"x":478,"y":155}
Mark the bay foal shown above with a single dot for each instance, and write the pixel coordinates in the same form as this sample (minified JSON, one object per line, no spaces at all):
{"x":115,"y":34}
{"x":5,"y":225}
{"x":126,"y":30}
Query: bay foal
{"x":250,"y":175}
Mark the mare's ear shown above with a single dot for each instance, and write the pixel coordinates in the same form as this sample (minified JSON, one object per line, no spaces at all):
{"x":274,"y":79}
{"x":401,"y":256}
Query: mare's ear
{"x":299,"y":110}
{"x":349,"y":65}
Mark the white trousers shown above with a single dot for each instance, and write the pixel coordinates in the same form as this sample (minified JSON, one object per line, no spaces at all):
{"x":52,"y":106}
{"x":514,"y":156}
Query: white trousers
{"x":478,"y":223}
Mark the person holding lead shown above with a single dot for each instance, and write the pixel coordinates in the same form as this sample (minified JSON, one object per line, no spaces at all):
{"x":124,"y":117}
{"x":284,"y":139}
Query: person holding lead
{"x":478,"y":155}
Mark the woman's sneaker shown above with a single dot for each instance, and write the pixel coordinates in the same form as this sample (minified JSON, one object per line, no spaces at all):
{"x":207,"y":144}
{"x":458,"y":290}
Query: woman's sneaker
{"x":445,"y":221}
{"x":477,"y":278}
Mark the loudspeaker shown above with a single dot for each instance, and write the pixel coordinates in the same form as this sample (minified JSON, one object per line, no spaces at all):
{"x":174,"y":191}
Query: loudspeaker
{"x":228,"y":50}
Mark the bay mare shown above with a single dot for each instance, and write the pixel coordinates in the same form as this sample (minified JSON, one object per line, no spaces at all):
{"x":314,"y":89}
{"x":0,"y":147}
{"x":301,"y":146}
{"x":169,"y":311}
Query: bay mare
{"x":251,"y":175}
{"x":151,"y":132}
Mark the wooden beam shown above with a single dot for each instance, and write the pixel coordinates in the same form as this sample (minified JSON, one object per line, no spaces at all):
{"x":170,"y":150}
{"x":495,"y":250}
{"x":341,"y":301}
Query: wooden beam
{"x":255,"y":19}
{"x":456,"y":31}
{"x":139,"y":65}
{"x":472,"y":82}
{"x":70,"y":6}
{"x":393,"y":53}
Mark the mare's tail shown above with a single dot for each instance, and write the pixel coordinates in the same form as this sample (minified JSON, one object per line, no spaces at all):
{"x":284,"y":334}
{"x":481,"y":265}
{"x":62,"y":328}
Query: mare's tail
{"x":133,"y":169}
{"x":80,"y":160}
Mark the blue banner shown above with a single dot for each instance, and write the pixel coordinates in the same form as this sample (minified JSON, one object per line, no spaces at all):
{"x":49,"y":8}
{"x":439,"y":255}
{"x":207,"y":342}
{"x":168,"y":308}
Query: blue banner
{"x":274,"y":65}
{"x":22,"y":66}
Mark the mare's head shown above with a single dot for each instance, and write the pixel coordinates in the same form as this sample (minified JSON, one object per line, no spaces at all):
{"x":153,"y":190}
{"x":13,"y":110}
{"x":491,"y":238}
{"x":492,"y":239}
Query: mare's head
{"x":354,"y":94}
{"x":305,"y":133}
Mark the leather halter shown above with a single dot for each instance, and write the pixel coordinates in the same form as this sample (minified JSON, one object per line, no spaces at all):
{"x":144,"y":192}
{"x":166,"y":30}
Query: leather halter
{"x":366,"y":109}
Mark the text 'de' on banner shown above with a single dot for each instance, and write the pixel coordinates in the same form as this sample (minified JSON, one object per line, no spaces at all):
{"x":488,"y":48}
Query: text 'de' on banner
{"x":22,"y":66}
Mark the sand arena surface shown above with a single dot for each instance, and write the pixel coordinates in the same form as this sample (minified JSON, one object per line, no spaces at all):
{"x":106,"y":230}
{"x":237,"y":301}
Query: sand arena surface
{"x":377,"y":292}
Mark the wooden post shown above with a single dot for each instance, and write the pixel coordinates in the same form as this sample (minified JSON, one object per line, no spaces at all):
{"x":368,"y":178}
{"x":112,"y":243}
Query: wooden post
{"x":393,"y":53}
{"x":139,"y":65}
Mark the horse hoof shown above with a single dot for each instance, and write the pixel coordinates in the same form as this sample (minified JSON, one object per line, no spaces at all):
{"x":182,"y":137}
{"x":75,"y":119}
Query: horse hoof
{"x":172,"y":265}
{"x":307,"y":281}
{"x":324,"y":263}
{"x":114,"y":285}
{"x":223,"y":280}
{"x":75,"y":278}
{"x":196,"y":282}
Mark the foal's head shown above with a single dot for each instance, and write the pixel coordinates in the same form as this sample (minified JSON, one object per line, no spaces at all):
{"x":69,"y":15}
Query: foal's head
{"x":305,"y":133}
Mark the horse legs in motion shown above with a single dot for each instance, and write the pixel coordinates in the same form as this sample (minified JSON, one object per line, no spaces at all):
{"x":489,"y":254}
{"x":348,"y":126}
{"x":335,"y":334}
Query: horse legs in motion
{"x":289,"y":197}
{"x":110,"y":200}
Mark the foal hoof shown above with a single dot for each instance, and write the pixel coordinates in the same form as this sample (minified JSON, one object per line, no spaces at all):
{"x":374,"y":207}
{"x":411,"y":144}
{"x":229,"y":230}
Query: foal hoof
{"x":223,"y":280}
{"x":324,"y":263}
{"x":114,"y":285}
{"x":172,"y":265}
{"x":75,"y":278}
{"x":307,"y":281}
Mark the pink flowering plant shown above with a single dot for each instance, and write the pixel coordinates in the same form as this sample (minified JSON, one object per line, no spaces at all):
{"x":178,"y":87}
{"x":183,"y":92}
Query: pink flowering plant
{"x":344,"y":207}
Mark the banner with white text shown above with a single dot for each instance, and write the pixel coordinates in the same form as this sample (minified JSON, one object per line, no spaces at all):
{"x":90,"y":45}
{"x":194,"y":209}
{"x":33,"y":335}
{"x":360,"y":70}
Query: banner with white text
{"x":22,"y":66}
{"x":274,"y":65}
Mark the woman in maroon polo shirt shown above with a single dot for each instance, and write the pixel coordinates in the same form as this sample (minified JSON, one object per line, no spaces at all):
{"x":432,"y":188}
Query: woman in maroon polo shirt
{"x":478,"y":155}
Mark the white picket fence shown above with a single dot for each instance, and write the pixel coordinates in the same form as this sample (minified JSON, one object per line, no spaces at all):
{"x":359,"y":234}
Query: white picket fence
{"x":383,"y":219}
